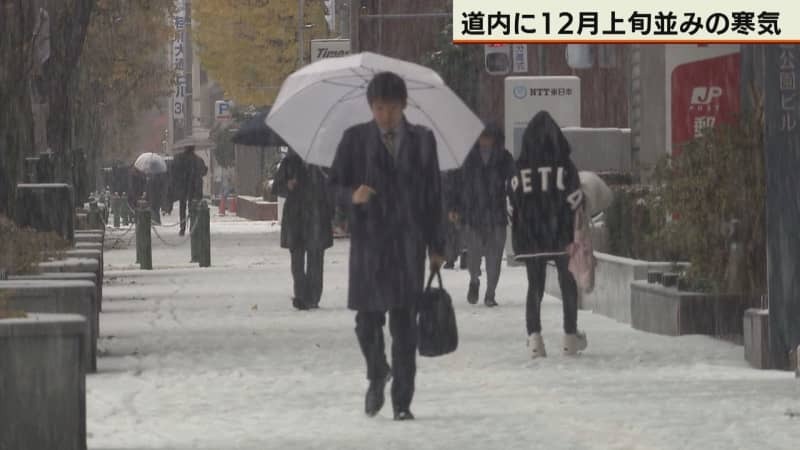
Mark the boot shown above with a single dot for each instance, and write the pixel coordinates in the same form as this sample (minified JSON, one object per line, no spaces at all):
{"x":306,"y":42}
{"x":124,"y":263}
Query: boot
{"x":403,"y":415}
{"x":300,"y":304}
{"x":536,"y":346}
{"x":489,"y":300}
{"x":375,"y":397}
{"x":574,"y":343}
{"x":474,"y":288}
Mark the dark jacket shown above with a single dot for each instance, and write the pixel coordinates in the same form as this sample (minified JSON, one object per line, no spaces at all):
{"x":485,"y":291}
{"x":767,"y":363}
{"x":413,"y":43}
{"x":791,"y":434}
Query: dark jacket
{"x":545,"y":191}
{"x":390,"y":234}
{"x":308,"y":212}
{"x":153,"y":188}
{"x":187,"y":172}
{"x":483,"y":189}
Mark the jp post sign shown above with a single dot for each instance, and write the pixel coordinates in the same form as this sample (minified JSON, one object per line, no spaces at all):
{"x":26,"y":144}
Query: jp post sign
{"x":329,"y":48}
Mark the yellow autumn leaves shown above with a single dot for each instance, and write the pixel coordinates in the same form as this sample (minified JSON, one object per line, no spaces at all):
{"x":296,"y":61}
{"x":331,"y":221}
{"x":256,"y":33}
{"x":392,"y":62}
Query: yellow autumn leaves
{"x":250,"y":46}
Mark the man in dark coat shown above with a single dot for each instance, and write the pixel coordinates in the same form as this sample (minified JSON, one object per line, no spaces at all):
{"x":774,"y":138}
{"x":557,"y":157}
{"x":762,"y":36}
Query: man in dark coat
{"x":546,"y":192}
{"x":306,"y":225}
{"x":187,"y":180}
{"x":391,"y":168}
{"x":483,"y":207}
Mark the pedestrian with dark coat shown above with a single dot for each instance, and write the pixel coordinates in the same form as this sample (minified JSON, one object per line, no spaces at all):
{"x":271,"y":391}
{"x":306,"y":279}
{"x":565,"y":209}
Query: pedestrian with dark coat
{"x":188,"y":171}
{"x":391,"y":169}
{"x":546,"y":193}
{"x":306,"y":225}
{"x":484,"y":211}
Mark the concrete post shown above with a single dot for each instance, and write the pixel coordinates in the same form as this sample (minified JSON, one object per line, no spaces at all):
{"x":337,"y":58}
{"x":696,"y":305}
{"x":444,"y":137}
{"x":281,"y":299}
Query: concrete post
{"x":203,"y":234}
{"x":143,"y":238}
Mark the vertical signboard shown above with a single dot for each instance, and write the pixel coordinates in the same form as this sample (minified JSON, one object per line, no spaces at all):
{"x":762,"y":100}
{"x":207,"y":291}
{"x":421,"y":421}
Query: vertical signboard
{"x":519,"y":58}
{"x":179,"y":62}
{"x":782,"y":148}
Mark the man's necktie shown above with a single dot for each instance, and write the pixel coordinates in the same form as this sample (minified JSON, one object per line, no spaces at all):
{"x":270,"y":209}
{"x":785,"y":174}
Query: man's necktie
{"x":388,"y":141}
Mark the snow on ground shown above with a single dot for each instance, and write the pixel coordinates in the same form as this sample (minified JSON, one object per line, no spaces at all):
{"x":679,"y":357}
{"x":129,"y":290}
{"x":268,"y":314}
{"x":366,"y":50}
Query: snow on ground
{"x":217,"y":359}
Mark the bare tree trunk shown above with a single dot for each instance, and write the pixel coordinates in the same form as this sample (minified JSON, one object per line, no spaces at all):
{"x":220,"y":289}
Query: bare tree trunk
{"x":17,"y":18}
{"x":69,"y":22}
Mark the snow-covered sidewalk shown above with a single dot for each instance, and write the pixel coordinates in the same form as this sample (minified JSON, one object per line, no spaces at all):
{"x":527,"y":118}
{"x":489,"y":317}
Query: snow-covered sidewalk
{"x":217,"y":359}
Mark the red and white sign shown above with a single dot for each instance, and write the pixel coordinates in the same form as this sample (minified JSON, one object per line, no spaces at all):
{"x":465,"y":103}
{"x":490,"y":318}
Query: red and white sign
{"x":705,"y":93}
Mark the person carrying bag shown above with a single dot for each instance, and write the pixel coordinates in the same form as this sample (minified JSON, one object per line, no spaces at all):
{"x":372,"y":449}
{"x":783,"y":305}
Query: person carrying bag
{"x":436,"y":321}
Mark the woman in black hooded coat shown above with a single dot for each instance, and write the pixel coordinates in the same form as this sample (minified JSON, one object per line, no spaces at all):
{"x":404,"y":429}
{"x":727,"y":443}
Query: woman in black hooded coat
{"x":545,"y":194}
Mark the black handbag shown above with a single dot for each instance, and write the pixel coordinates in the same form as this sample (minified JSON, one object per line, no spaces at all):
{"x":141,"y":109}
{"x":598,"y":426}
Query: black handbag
{"x":436,"y":321}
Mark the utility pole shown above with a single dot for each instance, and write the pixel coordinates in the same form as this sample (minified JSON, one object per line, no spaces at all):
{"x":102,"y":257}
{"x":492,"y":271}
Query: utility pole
{"x":301,"y":23}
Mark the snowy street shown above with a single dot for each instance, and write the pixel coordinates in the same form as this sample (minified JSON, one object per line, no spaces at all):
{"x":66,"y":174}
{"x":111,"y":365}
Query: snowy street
{"x":218,"y":359}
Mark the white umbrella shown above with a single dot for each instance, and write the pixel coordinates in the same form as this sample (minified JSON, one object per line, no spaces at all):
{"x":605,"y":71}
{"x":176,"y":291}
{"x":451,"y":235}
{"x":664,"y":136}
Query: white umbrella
{"x":150,"y":164}
{"x":318,"y":102}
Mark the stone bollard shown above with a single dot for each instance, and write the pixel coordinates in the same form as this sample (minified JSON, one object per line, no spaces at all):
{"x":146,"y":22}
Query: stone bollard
{"x":203,"y":234}
{"x":193,"y":231}
{"x":58,"y":297}
{"x":46,"y":207}
{"x":77,"y":265}
{"x":43,"y":382}
{"x":144,"y":255}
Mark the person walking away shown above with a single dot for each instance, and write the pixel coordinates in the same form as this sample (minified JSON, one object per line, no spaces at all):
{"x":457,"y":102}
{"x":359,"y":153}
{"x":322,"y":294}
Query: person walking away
{"x":483,"y":206}
{"x":306,"y":225}
{"x":545,"y":193}
{"x":187,"y":181}
{"x":391,"y":169}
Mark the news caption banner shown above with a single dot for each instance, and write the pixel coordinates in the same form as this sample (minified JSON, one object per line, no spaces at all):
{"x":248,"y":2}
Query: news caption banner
{"x":729,"y":21}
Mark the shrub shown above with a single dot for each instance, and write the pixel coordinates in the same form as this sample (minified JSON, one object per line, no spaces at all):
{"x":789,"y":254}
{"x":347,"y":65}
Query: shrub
{"x":718,"y":179}
{"x":22,"y":249}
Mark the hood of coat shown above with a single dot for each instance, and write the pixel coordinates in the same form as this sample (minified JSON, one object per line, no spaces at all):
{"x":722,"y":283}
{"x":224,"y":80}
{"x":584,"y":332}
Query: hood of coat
{"x":543,"y":141}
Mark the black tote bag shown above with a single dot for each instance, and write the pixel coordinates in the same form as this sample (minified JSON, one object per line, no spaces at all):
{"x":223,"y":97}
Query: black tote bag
{"x":436,"y":321}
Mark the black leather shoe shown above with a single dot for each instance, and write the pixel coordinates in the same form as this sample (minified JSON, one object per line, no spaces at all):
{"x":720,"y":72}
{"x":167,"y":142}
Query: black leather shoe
{"x":472,"y":295}
{"x":489,"y":301}
{"x":403,"y":415}
{"x":300,"y":304}
{"x":375,"y":397}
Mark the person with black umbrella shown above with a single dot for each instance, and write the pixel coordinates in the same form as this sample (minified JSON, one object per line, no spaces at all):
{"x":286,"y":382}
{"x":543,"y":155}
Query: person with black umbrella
{"x":188,"y":171}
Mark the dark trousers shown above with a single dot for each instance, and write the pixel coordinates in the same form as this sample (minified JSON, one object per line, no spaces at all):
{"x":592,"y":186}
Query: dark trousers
{"x":182,"y":212}
{"x":308,"y":278}
{"x":537,"y":273}
{"x":454,"y":244}
{"x":402,"y":325}
{"x":487,"y":244}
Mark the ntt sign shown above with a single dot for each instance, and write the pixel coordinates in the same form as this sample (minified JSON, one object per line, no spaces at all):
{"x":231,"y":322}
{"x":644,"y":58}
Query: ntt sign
{"x":329,"y":48}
